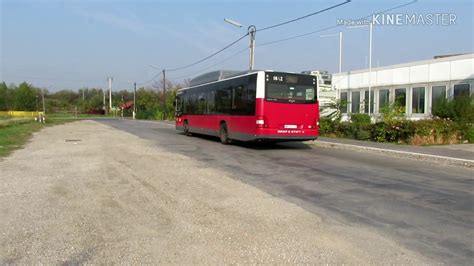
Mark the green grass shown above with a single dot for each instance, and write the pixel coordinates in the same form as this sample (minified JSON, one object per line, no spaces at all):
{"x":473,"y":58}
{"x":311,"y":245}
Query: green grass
{"x":15,"y":133}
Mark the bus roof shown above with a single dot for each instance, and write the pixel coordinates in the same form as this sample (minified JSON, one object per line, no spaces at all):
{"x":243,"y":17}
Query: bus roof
{"x":227,"y":76}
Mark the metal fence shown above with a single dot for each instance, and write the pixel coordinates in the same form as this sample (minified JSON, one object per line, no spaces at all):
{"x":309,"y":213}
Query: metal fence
{"x":20,"y":113}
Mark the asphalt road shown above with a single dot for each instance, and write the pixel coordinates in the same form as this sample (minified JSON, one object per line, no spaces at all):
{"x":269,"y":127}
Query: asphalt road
{"x":424,"y":207}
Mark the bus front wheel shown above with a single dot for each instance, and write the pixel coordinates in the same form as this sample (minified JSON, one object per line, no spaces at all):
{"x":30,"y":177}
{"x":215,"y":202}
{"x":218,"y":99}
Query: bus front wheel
{"x":223,"y":134}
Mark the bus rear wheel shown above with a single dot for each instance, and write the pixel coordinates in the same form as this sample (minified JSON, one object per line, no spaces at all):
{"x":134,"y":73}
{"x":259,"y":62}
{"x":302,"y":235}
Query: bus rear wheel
{"x":186,"y":128}
{"x":223,"y":134}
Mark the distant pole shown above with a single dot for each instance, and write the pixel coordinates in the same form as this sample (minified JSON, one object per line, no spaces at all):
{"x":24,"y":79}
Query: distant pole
{"x":134,"y":99}
{"x":37,"y":100}
{"x":110,"y":79}
{"x":121,"y":108}
{"x":252,"y":30}
{"x":83,"y":102}
{"x":164,"y":94}
{"x":103,"y":103}
{"x":44,"y":106}
{"x":370,"y":62}
{"x":340,"y":65}
{"x":340,"y":54}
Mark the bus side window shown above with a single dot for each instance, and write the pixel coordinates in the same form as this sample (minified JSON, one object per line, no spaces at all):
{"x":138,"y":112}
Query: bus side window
{"x":211,"y":107}
{"x":192,"y":103}
{"x":201,"y":104}
{"x":238,"y":100}
{"x":185,"y":103}
{"x":223,"y":101}
{"x":251,"y":95}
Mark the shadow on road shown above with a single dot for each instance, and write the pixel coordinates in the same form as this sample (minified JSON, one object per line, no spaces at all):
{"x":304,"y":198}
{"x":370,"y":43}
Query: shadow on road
{"x":258,"y":145}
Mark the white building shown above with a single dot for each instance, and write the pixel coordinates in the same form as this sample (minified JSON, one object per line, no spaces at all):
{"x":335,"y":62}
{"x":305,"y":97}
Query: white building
{"x":326,"y":94}
{"x":415,"y":85}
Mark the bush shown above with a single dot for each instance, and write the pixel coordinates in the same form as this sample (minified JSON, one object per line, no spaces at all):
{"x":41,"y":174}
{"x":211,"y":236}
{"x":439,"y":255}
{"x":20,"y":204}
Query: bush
{"x":436,"y":131}
{"x":460,"y":109}
{"x":362,"y":134}
{"x":360,"y":119}
{"x":422,"y":132}
{"x":145,"y":115}
{"x":327,"y":126}
{"x":391,"y":112}
{"x":469,"y":134}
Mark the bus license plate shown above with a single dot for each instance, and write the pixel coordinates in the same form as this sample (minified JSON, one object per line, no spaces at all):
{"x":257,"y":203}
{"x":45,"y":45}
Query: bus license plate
{"x":290,"y":126}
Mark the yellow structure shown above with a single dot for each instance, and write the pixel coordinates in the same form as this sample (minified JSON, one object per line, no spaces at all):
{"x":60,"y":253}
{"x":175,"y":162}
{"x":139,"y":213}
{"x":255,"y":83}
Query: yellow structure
{"x":20,"y":113}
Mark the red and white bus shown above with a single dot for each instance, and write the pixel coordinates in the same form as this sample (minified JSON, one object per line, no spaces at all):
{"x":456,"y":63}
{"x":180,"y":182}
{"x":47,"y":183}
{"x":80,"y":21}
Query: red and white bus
{"x":252,"y":106}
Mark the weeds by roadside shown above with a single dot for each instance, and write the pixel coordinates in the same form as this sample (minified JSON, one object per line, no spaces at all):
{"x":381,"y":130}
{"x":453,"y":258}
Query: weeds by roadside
{"x":14,"y":133}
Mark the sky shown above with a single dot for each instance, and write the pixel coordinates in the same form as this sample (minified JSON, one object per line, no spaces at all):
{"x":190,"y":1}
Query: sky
{"x":75,"y":44}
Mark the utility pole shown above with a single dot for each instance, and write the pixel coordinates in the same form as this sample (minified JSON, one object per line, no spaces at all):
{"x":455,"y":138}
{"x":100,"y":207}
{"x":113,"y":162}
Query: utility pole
{"x":340,"y":54}
{"x":164,"y":94}
{"x":44,"y":106}
{"x":134,"y":99}
{"x":371,"y":25}
{"x":36,"y":100}
{"x":83,"y":102}
{"x":110,"y":79}
{"x":252,"y":30}
{"x":103,"y":103}
{"x":121,"y":109}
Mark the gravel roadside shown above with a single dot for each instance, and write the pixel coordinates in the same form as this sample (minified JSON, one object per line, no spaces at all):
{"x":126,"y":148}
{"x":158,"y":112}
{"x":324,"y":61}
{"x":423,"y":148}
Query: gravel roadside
{"x":84,"y":192}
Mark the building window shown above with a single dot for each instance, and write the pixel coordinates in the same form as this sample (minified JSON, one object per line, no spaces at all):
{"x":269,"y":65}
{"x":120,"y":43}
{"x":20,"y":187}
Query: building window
{"x":383,"y":99}
{"x":461,"y":90}
{"x":366,"y":102}
{"x":343,"y":102}
{"x":355,"y":103}
{"x":438,"y":94}
{"x":418,"y":100}
{"x":401,"y":99}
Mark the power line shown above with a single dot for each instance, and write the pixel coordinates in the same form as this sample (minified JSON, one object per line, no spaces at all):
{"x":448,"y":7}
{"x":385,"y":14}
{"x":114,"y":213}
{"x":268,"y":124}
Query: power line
{"x":305,"y":16}
{"x":150,"y":80}
{"x":297,"y":36}
{"x":332,"y":27}
{"x":209,"y":56}
{"x":263,"y":29}
{"x":204,"y":69}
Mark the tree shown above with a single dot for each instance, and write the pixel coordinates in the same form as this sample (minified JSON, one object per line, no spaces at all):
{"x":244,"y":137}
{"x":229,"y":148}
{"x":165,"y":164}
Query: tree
{"x":4,"y":97}
{"x":147,"y":103}
{"x":25,"y":98}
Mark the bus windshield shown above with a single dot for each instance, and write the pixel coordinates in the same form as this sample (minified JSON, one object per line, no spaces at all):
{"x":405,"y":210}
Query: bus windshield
{"x":288,"y":88}
{"x":290,"y":93}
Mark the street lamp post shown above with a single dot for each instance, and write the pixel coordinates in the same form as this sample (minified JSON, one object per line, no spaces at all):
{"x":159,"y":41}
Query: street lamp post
{"x":371,"y":25}
{"x":340,"y":57}
{"x":252,"y":30}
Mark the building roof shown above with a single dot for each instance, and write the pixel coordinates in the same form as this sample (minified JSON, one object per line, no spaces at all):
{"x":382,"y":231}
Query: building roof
{"x":414,"y":63}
